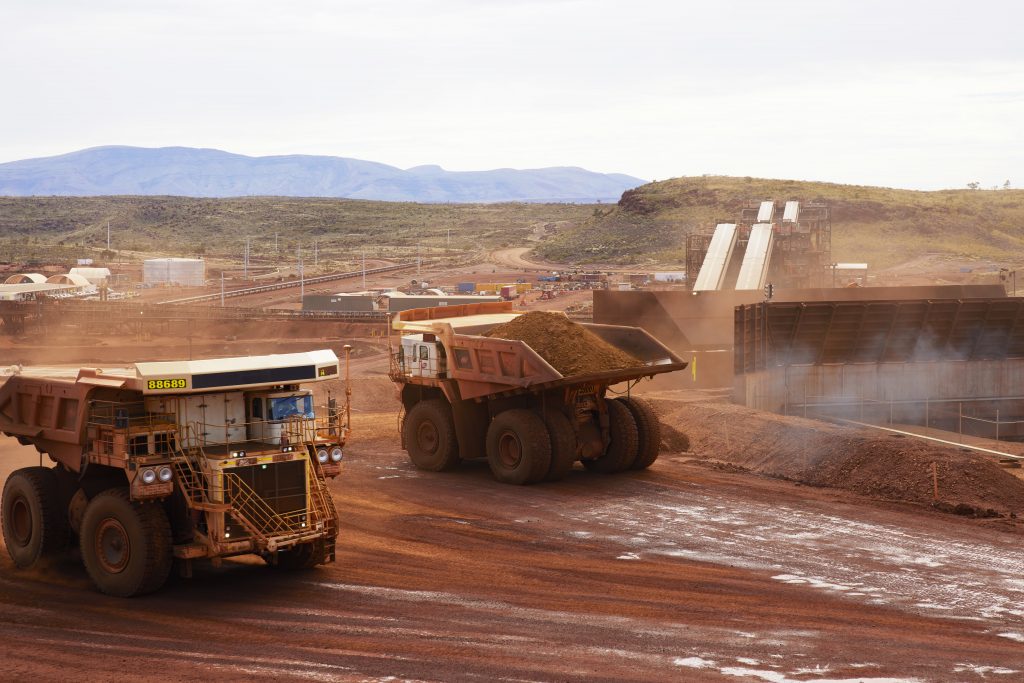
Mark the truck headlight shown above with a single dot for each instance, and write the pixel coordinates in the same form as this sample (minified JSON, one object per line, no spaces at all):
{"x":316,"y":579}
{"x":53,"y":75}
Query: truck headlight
{"x":165,"y":474}
{"x":322,"y":456}
{"x":336,"y":454}
{"x":148,"y":476}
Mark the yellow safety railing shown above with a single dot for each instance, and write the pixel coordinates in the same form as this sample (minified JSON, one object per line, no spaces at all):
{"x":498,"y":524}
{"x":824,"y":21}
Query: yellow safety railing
{"x":255,"y":513}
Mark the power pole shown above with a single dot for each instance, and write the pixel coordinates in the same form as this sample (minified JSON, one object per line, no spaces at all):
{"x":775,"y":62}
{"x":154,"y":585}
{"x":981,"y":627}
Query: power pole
{"x":316,"y":253}
{"x":302,"y":279}
{"x":245,"y":260}
{"x":364,"y":270}
{"x":222,"y":289}
{"x":419,"y":258}
{"x":108,"y":235}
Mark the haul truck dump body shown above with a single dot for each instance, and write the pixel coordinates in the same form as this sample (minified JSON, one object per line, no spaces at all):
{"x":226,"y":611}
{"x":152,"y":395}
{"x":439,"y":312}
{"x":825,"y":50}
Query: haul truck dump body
{"x":184,"y":460}
{"x":468,"y":396}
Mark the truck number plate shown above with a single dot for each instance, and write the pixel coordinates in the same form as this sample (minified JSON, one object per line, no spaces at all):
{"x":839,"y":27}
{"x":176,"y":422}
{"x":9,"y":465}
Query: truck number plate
{"x":179,"y":383}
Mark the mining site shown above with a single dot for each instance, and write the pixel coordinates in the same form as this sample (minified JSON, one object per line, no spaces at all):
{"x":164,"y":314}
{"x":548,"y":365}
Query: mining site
{"x":776,"y":468}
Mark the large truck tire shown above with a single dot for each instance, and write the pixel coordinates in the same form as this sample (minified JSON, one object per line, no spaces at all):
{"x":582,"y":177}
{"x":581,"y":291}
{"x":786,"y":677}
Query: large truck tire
{"x":622,"y":446}
{"x":126,"y":546}
{"x":429,"y":434}
{"x":518,"y":447}
{"x":563,"y":445}
{"x":648,"y":432}
{"x":34,"y":522}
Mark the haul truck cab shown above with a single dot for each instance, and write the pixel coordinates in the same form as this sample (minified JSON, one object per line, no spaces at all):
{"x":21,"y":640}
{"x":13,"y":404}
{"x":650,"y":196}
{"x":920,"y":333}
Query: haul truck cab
{"x":269,"y":413}
{"x":183,"y":460}
{"x":421,"y":355}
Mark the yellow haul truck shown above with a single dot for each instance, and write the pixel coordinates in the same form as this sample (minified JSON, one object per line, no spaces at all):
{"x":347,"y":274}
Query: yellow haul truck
{"x":183,"y":460}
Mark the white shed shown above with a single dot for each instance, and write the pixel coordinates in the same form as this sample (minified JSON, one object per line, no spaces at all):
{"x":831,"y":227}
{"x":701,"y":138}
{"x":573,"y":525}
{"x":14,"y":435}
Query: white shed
{"x":188,"y":272}
{"x":95,"y":276}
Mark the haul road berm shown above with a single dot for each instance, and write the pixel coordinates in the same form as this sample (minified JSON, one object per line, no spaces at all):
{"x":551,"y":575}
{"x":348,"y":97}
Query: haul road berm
{"x":184,"y":460}
{"x":466,"y":395}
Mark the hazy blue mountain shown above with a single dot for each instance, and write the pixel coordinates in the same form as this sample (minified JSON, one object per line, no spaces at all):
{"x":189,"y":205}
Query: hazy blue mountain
{"x":190,"y":172}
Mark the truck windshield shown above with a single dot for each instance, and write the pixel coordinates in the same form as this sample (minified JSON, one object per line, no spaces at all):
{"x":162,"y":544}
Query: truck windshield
{"x":283,"y":408}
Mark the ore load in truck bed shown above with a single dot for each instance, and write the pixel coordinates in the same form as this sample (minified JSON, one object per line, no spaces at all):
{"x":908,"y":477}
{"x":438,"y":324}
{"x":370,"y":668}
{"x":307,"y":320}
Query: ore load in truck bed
{"x":568,"y":347}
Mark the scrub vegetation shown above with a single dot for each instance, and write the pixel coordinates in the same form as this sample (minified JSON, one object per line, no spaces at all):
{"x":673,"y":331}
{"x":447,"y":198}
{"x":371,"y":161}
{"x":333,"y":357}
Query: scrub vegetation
{"x":876,"y":224}
{"x":647,"y":226}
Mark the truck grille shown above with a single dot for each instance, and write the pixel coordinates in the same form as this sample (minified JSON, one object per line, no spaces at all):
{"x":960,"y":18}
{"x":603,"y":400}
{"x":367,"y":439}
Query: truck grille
{"x":272,"y":496}
{"x":282,"y":485}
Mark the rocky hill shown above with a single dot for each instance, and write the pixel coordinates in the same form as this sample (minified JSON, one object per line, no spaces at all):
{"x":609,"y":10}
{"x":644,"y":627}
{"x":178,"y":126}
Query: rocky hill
{"x":190,"y":172}
{"x":880,"y":225}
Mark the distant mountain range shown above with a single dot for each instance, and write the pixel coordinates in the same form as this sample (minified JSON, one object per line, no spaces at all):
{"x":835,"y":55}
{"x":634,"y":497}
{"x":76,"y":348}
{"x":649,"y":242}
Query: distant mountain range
{"x":191,"y":172}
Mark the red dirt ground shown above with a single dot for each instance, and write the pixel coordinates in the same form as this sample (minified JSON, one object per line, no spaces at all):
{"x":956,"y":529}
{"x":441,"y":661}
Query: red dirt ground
{"x":696,"y":569}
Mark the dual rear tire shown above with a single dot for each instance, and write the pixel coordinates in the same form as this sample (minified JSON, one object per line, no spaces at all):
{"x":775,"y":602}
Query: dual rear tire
{"x":125,"y":546}
{"x":623,"y":441}
{"x":518,"y":447}
{"x":34,"y":521}
{"x":635,"y":437}
{"x":648,"y":432}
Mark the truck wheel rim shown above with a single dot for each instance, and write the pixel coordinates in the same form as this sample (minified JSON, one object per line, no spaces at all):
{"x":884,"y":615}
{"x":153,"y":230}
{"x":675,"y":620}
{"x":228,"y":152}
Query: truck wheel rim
{"x":426,"y":437}
{"x":21,"y":521}
{"x":510,"y":451}
{"x":112,"y":546}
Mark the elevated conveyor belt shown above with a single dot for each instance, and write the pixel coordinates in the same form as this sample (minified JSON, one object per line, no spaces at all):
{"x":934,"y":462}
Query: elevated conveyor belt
{"x":716,"y":262}
{"x":754,"y":269}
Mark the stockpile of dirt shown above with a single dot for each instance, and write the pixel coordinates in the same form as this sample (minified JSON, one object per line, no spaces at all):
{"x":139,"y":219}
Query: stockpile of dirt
{"x":568,"y":347}
{"x":855,"y":459}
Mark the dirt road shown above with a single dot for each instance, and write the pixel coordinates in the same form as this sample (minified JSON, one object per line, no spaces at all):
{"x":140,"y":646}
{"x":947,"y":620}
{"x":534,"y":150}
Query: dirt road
{"x":678,"y":573}
{"x":514,"y":258}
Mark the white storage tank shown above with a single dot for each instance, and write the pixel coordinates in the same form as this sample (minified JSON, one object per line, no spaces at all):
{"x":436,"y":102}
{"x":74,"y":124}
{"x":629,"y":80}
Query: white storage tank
{"x":188,"y":272}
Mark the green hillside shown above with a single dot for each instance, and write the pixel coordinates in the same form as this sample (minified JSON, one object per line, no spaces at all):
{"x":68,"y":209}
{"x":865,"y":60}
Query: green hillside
{"x":880,"y":225}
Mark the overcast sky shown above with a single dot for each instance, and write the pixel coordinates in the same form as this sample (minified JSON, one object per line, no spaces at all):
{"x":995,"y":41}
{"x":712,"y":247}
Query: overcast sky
{"x":903,"y":93}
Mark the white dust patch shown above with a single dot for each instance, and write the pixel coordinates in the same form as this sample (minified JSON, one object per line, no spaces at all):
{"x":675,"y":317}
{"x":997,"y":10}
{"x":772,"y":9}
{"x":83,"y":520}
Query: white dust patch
{"x":951,"y":574}
{"x":694,"y":662}
{"x":981,"y":669}
{"x":812,"y":582}
{"x":1019,"y":637}
{"x":778,"y":677}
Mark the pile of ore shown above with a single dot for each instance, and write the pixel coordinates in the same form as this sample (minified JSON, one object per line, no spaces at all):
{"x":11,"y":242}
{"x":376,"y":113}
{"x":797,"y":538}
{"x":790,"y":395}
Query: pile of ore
{"x":568,"y":347}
